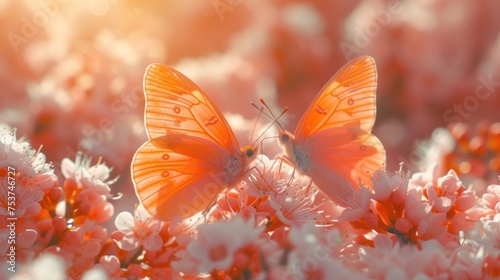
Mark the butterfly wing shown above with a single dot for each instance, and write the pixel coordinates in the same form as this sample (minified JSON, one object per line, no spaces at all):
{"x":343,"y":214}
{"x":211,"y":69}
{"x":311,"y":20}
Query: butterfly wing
{"x":179,"y":174}
{"x":339,"y":157}
{"x":192,"y":153}
{"x":175,"y":104}
{"x":332,"y":142}
{"x":347,"y":99}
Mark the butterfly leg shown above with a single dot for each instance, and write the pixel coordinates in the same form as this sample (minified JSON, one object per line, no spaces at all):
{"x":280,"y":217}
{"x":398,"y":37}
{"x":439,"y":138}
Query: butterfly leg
{"x":261,"y":183}
{"x":212,"y":203}
{"x":289,"y":161}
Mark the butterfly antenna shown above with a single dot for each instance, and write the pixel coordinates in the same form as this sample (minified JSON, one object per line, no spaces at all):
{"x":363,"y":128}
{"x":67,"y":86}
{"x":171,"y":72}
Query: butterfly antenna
{"x":261,"y":111}
{"x":270,"y":115}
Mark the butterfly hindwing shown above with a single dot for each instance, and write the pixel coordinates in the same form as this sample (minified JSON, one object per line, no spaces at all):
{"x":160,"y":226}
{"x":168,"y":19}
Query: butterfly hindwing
{"x":178,"y":174}
{"x":348,"y":151}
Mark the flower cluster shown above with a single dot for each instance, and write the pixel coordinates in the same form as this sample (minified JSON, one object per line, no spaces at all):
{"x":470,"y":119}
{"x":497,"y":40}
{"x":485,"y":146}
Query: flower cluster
{"x":427,"y":207}
{"x":51,"y":216}
{"x":273,"y":225}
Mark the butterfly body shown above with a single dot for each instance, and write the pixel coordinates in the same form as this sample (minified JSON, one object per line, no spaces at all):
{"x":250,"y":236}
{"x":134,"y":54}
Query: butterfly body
{"x":333,"y":143}
{"x":300,"y":155}
{"x":192,"y":153}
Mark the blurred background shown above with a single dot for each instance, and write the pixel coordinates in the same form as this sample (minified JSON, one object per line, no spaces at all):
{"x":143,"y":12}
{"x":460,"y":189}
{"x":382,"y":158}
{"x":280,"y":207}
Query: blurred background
{"x":71,"y":71}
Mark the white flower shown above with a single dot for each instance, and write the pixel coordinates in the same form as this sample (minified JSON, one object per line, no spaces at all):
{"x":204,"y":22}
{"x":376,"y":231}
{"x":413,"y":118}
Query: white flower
{"x":93,"y":177}
{"x":217,"y":243}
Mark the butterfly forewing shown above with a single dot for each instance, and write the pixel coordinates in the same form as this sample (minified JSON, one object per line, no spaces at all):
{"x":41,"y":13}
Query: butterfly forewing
{"x":347,"y":99}
{"x":174,"y":104}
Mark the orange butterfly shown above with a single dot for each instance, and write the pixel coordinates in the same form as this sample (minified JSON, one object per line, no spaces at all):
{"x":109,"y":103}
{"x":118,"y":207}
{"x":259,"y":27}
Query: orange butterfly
{"x":192,"y":153}
{"x":332,"y":143}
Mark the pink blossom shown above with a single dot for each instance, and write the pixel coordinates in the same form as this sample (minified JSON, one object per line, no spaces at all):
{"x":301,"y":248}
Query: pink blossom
{"x":396,"y":261}
{"x":358,"y":207}
{"x":86,"y":176}
{"x":27,"y":197}
{"x":140,"y":229}
{"x":25,"y":173}
{"x":111,"y":265}
{"x":19,"y":155}
{"x":415,"y":214}
{"x":87,"y":193}
{"x":267,"y":176}
{"x":440,"y":204}
{"x":283,"y":196}
{"x":216,"y":245}
{"x":236,"y":201}
{"x":492,"y":232}
{"x":468,"y":261}
{"x":77,"y":251}
{"x":25,"y":241}
{"x":294,"y":205}
{"x":384,"y":184}
{"x":183,"y":229}
{"x":314,"y":253}
{"x":491,"y":201}
{"x":91,"y":205}
{"x":422,"y":178}
{"x":417,"y":209}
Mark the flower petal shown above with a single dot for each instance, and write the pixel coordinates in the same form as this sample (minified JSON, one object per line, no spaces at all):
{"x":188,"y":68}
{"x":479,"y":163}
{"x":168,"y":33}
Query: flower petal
{"x":124,"y":222}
